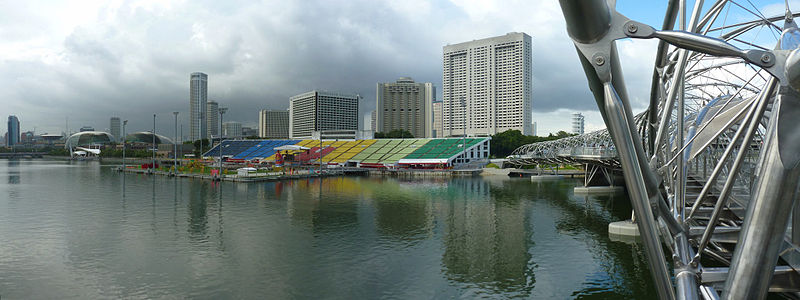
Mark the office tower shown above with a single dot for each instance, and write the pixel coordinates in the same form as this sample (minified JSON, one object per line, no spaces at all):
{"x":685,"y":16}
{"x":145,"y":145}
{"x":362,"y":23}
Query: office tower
{"x":232,"y":130}
{"x":373,"y":119}
{"x":198,"y":96}
{"x":249,"y":131}
{"x":212,"y":118}
{"x":437,"y":119}
{"x":577,"y":123}
{"x":487,"y":85}
{"x":534,"y":130}
{"x":317,"y":111}
{"x":13,"y":131}
{"x":115,"y":129}
{"x":273,"y":124}
{"x":405,"y":105}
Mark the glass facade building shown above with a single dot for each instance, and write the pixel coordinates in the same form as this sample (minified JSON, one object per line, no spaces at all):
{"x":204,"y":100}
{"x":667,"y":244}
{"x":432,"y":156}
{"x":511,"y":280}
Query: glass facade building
{"x":13,"y":131}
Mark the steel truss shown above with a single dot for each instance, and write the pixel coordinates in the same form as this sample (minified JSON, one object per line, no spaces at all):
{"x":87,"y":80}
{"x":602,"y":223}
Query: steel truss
{"x":714,"y":158}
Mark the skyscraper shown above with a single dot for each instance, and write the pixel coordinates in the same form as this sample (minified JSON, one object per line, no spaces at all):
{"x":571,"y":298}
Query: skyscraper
{"x":212,"y":117}
{"x":273,"y":124}
{"x":577,"y":123}
{"x":232,"y":130}
{"x":198,"y":96}
{"x":317,"y":111}
{"x":405,"y":105}
{"x":487,"y":85}
{"x":437,"y":119}
{"x":13,"y":131}
{"x":115,"y":129}
{"x":373,"y":119}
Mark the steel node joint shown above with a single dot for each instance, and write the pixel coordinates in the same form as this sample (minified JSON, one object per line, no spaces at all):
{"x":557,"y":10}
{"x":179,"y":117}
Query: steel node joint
{"x":699,"y":43}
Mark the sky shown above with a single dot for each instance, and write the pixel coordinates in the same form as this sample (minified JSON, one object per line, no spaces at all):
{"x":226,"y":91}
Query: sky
{"x":77,"y":63}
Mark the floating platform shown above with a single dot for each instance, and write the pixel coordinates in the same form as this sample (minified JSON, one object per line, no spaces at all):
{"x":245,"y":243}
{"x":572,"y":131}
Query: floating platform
{"x":537,"y":178}
{"x":586,"y":190}
{"x":623,"y":231}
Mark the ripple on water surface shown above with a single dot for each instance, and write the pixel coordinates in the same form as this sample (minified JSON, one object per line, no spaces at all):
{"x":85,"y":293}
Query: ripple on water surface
{"x":79,"y":230}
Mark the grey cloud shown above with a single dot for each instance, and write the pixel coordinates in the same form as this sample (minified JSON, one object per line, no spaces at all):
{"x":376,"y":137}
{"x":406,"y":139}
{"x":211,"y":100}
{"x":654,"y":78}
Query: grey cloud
{"x":135,"y":62}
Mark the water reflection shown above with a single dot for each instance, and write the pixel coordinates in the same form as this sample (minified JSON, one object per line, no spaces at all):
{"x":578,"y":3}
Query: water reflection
{"x":198,"y":210}
{"x":349,"y":237}
{"x":13,"y":171}
{"x":402,"y":213}
{"x":324,"y":204}
{"x":486,"y":242}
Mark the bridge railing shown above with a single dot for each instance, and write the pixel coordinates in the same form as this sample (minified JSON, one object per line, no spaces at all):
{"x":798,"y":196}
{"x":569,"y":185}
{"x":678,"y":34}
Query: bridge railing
{"x":599,"y":152}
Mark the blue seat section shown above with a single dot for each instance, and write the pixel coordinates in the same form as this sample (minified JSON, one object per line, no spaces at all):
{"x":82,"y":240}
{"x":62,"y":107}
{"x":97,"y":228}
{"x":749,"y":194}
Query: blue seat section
{"x":249,"y":149}
{"x":231,"y":148}
{"x":264,"y":149}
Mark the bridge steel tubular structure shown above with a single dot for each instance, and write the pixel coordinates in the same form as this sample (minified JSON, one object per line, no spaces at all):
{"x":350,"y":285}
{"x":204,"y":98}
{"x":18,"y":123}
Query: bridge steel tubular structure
{"x":591,"y":24}
{"x":594,"y":27}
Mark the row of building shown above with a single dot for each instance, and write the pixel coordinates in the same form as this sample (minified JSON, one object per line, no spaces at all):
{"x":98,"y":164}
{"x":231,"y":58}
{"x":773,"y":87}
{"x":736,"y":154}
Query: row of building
{"x":487,"y":89}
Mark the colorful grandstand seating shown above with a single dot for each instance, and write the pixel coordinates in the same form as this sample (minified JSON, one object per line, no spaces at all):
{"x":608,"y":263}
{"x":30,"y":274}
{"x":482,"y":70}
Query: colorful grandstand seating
{"x":369,"y":152}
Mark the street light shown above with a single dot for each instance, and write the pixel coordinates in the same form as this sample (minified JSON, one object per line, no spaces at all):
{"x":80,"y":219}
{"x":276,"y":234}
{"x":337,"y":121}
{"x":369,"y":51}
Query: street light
{"x":153,"y":165}
{"x":123,"y":144}
{"x":222,"y":111}
{"x":175,"y":142}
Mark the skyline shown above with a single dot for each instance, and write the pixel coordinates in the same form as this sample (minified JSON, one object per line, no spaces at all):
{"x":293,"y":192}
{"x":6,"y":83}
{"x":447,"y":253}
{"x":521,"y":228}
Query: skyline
{"x":131,"y":59}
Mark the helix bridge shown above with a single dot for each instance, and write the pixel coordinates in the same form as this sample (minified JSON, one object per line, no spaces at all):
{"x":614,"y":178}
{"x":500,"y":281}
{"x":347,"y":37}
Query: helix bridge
{"x":711,"y":166}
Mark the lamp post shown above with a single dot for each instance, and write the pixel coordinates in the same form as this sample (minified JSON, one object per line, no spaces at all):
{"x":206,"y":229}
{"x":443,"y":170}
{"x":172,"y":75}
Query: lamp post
{"x":123,"y":144}
{"x":222,"y":111}
{"x":153,"y":165}
{"x":175,"y":143}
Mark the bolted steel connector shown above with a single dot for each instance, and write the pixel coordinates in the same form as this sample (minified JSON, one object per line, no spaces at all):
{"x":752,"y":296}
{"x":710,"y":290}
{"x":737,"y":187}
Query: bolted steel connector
{"x":599,"y":60}
{"x":766,"y":58}
{"x":632,"y":28}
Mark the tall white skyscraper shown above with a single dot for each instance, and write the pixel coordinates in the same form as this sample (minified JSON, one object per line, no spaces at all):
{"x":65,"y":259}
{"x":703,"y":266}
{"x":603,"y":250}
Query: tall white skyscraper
{"x":487,"y":85}
{"x":577,"y":123}
{"x":212,"y":117}
{"x":114,"y":127}
{"x":317,"y":111}
{"x":405,"y":105}
{"x":198,"y":96}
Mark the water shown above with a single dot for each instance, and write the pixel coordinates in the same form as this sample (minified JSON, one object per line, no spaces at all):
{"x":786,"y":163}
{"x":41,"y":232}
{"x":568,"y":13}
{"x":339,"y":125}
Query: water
{"x":74,"y":230}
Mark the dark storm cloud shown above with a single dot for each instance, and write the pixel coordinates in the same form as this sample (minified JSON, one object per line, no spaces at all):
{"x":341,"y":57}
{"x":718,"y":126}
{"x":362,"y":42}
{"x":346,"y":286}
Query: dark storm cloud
{"x":134,"y":59}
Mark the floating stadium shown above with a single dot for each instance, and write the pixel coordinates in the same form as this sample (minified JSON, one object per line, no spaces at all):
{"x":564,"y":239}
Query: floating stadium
{"x":370,"y":153}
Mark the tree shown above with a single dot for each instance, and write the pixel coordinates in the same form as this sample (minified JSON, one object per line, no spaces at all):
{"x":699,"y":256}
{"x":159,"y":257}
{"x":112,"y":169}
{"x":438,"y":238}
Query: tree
{"x":201,"y":146}
{"x":504,"y":143}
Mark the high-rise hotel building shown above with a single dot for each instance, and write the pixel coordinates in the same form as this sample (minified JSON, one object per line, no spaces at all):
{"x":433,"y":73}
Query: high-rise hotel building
{"x":198,"y":96}
{"x":273,"y":124}
{"x":318,"y":111}
{"x":405,"y":105}
{"x":487,"y":85}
